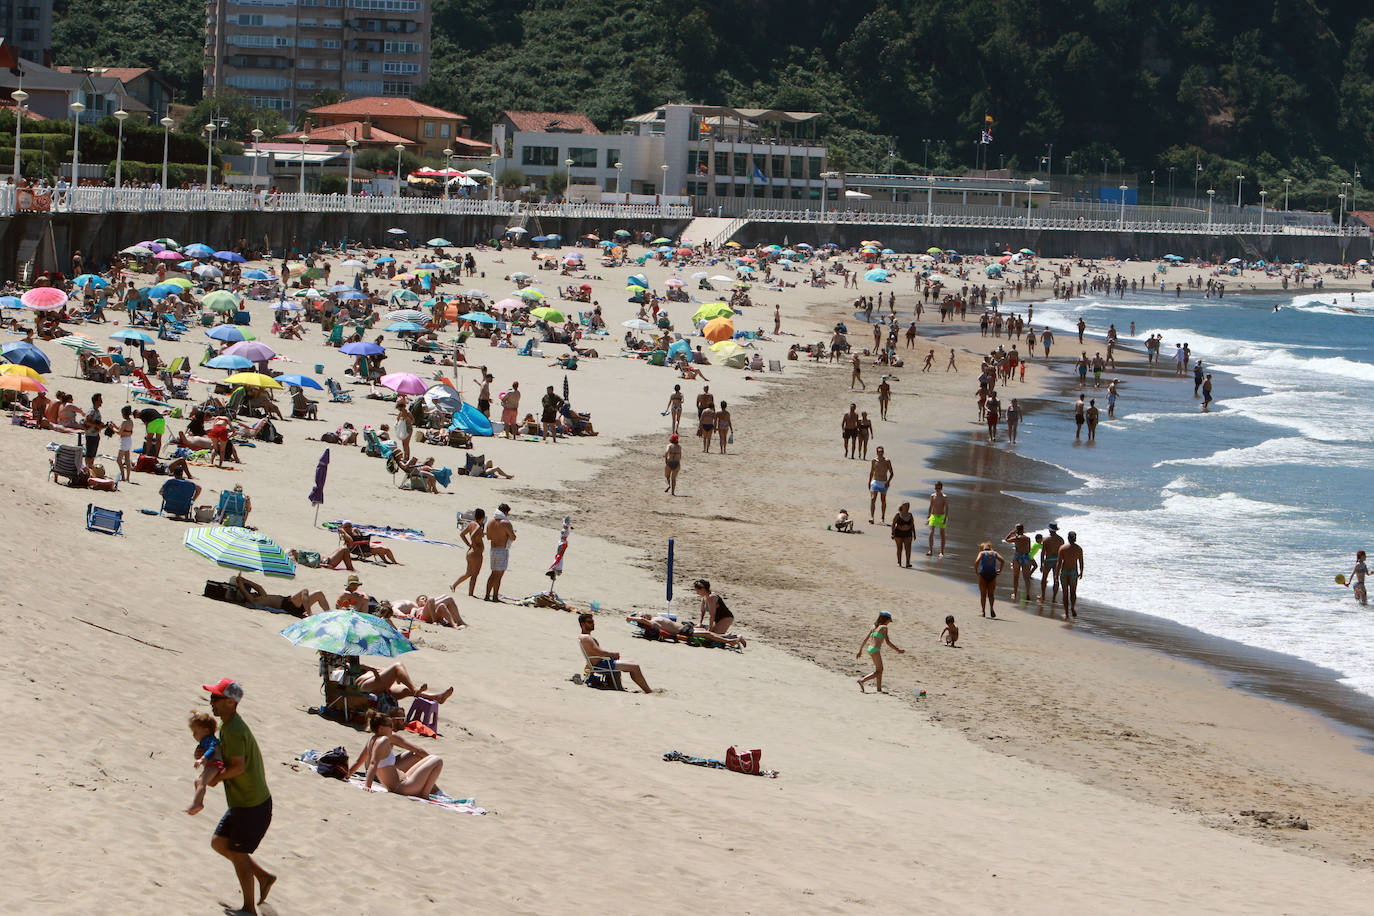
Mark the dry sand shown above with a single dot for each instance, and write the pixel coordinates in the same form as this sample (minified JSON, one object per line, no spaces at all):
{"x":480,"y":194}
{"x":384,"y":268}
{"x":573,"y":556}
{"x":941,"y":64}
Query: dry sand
{"x":1044,"y":772}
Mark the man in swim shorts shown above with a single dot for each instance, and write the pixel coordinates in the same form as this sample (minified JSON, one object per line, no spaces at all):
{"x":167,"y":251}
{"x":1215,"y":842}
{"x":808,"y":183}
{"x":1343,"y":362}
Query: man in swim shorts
{"x":500,"y":534}
{"x":1070,"y":571}
{"x":1049,"y":562}
{"x":849,"y":431}
{"x":937,"y":516}
{"x":880,"y":475}
{"x":1021,"y":560}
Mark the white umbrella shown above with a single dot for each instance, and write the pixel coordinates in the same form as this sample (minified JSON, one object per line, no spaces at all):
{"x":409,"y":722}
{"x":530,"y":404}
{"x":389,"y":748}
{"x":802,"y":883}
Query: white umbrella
{"x":638,"y":324}
{"x":857,"y":195}
{"x":352,"y":262}
{"x":406,"y":315}
{"x":207,"y":271}
{"x":477,"y":294}
{"x":477,"y":173}
{"x":516,"y":230}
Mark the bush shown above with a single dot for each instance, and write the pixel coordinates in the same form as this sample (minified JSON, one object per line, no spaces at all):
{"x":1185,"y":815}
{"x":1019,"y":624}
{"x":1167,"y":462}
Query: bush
{"x":333,"y":184}
{"x":178,"y":173}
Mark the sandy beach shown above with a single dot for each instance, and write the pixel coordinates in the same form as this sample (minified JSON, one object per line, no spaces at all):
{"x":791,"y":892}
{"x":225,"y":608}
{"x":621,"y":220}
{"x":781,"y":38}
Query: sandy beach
{"x":1042,"y":771}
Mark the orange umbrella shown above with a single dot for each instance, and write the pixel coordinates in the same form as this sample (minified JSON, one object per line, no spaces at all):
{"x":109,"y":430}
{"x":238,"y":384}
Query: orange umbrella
{"x":20,"y":383}
{"x":718,"y":329}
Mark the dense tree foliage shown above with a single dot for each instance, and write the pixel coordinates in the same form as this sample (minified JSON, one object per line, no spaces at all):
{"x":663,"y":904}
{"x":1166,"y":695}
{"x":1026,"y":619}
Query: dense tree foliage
{"x":1274,"y":89}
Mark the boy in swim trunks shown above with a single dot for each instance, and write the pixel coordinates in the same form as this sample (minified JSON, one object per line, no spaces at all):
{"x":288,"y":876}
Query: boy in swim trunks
{"x":937,"y":517}
{"x":1070,"y":571}
{"x":208,"y":757}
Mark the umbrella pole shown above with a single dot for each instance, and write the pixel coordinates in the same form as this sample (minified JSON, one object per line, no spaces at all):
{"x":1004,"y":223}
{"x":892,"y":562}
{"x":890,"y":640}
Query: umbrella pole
{"x":316,"y":522}
{"x":670,"y":575}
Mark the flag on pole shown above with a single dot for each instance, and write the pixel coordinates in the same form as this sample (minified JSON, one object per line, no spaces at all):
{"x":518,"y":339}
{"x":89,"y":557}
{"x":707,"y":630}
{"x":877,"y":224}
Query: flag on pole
{"x":557,"y":566}
{"x":758,"y":173}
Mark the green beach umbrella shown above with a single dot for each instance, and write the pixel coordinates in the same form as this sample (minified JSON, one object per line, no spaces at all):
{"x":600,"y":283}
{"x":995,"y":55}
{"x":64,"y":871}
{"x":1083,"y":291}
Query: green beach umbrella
{"x":221,"y":301}
{"x":553,"y":316}
{"x":348,"y":633}
{"x":241,"y":549}
{"x":168,"y":243}
{"x":438,"y":242}
{"x":713,"y":310}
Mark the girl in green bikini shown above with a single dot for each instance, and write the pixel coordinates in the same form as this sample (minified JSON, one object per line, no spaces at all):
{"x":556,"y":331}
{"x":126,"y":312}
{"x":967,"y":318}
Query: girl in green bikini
{"x":874,"y":644}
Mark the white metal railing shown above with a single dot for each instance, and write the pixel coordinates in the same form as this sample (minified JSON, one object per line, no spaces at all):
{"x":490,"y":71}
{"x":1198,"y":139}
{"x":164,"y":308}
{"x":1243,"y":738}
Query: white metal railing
{"x":730,"y":229}
{"x":137,"y":200}
{"x":945,"y":220}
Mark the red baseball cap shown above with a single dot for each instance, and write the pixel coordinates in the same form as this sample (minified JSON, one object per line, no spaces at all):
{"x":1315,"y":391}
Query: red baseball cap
{"x":227,"y":688}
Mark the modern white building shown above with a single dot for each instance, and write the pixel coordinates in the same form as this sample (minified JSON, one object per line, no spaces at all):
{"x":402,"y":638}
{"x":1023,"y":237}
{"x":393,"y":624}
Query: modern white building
{"x":709,"y":153}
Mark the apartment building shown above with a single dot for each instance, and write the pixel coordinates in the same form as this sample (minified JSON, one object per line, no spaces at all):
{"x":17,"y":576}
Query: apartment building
{"x":281,"y":53}
{"x":27,"y":28}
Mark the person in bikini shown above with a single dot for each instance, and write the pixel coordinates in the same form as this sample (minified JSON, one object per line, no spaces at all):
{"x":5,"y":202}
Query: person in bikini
{"x":675,"y":407}
{"x":873,"y":644}
{"x":903,"y":530}
{"x":472,"y":535}
{"x":298,"y":604}
{"x":672,"y":463}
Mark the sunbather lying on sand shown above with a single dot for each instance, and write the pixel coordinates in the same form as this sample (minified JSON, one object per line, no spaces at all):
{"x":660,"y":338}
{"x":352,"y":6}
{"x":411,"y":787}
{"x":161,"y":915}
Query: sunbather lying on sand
{"x":431,"y":610}
{"x":299,"y":604}
{"x":675,"y":627}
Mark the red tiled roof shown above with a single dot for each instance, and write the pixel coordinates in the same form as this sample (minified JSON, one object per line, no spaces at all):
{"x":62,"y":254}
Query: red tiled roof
{"x":339,"y":133}
{"x":377,"y":106}
{"x":28,"y":112}
{"x":123,"y":74}
{"x":551,"y":121}
{"x":467,"y":145}
{"x":1364,"y":216}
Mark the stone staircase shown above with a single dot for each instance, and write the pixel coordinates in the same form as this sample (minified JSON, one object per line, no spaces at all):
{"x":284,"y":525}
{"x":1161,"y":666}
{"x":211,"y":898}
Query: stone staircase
{"x":710,"y":229}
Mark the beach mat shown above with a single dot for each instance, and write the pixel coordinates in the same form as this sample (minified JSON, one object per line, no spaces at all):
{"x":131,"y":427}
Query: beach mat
{"x":439,"y":800}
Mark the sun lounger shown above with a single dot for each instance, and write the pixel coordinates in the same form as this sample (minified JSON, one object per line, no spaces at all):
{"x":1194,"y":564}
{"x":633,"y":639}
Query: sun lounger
{"x":67,"y":463}
{"x":110,"y":521}
{"x":336,"y":392}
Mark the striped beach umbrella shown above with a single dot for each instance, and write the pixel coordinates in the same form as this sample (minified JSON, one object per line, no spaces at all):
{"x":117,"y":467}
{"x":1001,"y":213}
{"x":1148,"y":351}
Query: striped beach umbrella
{"x":348,"y":633}
{"x":241,"y":549}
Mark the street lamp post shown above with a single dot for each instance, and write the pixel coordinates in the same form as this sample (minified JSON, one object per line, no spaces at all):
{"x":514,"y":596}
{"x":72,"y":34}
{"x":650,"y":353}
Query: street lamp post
{"x":304,"y":140}
{"x":491,"y":179}
{"x":1286,"y":183}
{"x":1152,"y":187}
{"x":1211,"y":195}
{"x":663,"y":187}
{"x":1123,"y":190}
{"x":1197,"y":173}
{"x":1240,"y":186}
{"x":209,"y":151}
{"x":1031,"y":185}
{"x":825,"y":180}
{"x":925,"y":164}
{"x":448,"y":162}
{"x":1341,"y":224}
{"x":121,"y":116}
{"x":257,"y":152}
{"x":166,"y":131}
{"x":619,"y":179}
{"x":351,"y":144}
{"x":400,"y":148}
{"x":930,"y":199}
{"x":19,"y":95}
{"x":76,"y":108}
{"x":1263,"y":195}
{"x":1171,"y":184}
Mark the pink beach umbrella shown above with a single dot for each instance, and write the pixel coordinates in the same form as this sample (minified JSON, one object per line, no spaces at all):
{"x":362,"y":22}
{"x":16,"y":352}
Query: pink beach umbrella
{"x":43,"y":299}
{"x":404,"y":383}
{"x":509,"y":303}
{"x":168,"y":255}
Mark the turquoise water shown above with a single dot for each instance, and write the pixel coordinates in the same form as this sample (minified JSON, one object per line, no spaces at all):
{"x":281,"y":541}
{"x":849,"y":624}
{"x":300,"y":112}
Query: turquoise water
{"x":1234,"y":521}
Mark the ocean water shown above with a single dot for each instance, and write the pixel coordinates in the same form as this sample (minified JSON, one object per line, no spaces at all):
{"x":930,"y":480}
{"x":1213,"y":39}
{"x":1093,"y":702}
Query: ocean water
{"x":1234,"y":522}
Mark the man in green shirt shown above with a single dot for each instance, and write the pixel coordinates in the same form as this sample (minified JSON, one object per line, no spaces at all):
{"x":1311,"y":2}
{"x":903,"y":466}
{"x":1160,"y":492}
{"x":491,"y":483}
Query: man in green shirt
{"x":245,"y":791}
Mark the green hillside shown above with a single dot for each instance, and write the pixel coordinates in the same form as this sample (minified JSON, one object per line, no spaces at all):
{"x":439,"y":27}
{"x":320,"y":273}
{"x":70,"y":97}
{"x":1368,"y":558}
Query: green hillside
{"x":1270,"y":89}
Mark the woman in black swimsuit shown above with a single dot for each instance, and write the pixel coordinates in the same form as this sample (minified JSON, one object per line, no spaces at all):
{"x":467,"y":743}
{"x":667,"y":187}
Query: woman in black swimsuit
{"x":903,"y":530}
{"x":298,"y":604}
{"x":721,"y":617}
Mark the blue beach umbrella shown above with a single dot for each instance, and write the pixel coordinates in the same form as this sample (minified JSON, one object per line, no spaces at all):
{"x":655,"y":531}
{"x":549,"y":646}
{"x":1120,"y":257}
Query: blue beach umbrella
{"x":198,"y":251}
{"x":26,"y":354}
{"x":254,"y":273}
{"x":81,"y":280}
{"x":348,"y":633}
{"x":241,"y":549}
{"x":351,"y":295}
{"x":479,"y":317}
{"x":229,"y":361}
{"x":397,"y":327}
{"x":385,"y":259}
{"x":10,"y":302}
{"x":135,"y":337}
{"x":163,"y":290}
{"x":300,"y":381}
{"x":362,"y":348}
{"x":877,"y":275}
{"x":231,"y":256}
{"x":228,"y":333}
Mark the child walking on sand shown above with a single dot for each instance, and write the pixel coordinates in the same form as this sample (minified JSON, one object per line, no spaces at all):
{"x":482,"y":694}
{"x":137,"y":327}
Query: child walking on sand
{"x":950,"y":634}
{"x":208,"y":757}
{"x":873,"y":642}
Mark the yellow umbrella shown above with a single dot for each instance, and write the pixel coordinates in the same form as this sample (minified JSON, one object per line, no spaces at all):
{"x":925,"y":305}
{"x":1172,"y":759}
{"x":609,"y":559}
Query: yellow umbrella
{"x":726,"y":347}
{"x":732,"y":244}
{"x":16,"y":369}
{"x":253,"y":380}
{"x":719,"y":329}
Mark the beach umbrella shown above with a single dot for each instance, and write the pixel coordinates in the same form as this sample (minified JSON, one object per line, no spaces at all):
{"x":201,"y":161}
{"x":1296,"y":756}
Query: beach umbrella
{"x":718,"y":329}
{"x":397,"y":327}
{"x":198,"y":251}
{"x":404,"y":383}
{"x":551,"y":315}
{"x":516,"y":230}
{"x":362,"y":348}
{"x":167,"y":256}
{"x":732,"y":244}
{"x":721,"y":278}
{"x":141,"y":251}
{"x":168,"y":242}
{"x":404,"y":295}
{"x":128,"y":337}
{"x":348,"y":633}
{"x":228,"y":333}
{"x":79,"y":343}
{"x":179,"y":282}
{"x":637,"y":324}
{"x":222,"y":301}
{"x":10,"y":302}
{"x":700,"y":275}
{"x":639,"y":279}
{"x":20,"y":369}
{"x":241,"y":549}
{"x":385,"y":259}
{"x":44,"y":299}
{"x":26,"y":354}
{"x":540,"y":238}
{"x":21,"y":383}
{"x":726,"y":348}
{"x":438,"y":242}
{"x":300,"y":381}
{"x":509,"y":303}
{"x":230,"y":362}
{"x":529,"y":293}
{"x":207,"y":272}
{"x":254,"y":273}
{"x":1234,"y":261}
{"x":877,"y":275}
{"x":713,"y":310}
{"x":606,"y":244}
{"x":478,"y":317}
{"x":674,"y":283}
{"x":406,"y":315}
{"x":477,"y":294}
{"x":352,"y":262}
{"x":253,"y":380}
{"x":394,"y":230}
{"x":622,"y":233}
{"x":231,"y":256}
{"x":1026,"y":251}
{"x":308,"y":292}
{"x":155,"y":247}
{"x":163,"y":290}
{"x":520,"y":275}
{"x":993,"y":270}
{"x":254,"y":350}
{"x":81,"y":280}
{"x":352,"y":295}
{"x":321,"y":473}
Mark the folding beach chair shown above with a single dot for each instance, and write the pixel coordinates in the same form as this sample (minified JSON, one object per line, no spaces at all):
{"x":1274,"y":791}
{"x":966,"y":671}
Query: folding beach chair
{"x":336,"y":392}
{"x":177,"y":496}
{"x":110,"y":521}
{"x":67,"y":463}
{"x":230,"y":510}
{"x":599,"y":673}
{"x":775,"y":365}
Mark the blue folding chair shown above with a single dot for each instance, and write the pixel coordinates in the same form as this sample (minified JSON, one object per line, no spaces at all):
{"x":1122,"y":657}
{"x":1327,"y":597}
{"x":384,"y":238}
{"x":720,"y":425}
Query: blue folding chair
{"x":177,"y":497}
{"x":110,"y":521}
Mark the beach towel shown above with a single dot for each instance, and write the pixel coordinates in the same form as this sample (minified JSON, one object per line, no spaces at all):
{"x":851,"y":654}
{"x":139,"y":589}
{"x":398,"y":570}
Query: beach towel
{"x":311,"y":759}
{"x":679,"y":757}
{"x":397,"y":534}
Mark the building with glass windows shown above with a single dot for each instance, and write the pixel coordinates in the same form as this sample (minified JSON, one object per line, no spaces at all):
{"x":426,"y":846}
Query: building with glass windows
{"x":282,"y":53}
{"x":712,"y":154}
